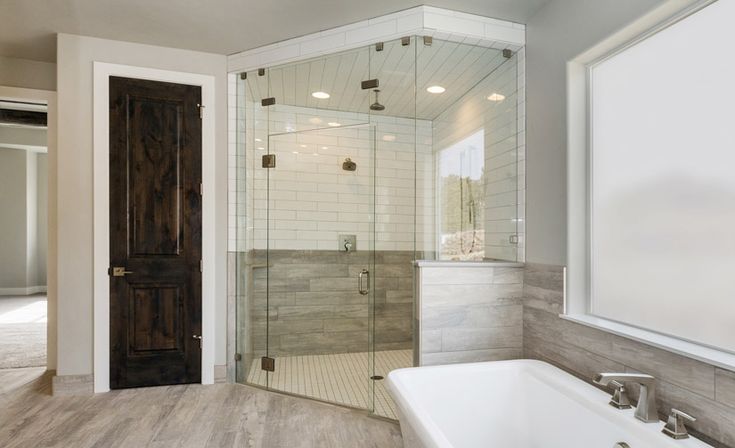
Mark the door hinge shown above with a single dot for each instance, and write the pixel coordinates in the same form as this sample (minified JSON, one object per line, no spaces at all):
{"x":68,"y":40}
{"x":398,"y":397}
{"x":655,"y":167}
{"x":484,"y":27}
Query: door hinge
{"x":201,"y":110}
{"x":269,"y":161}
{"x":201,"y":266}
{"x":268,"y":101}
{"x":201,"y":189}
{"x":238,"y":357}
{"x":268,"y":364}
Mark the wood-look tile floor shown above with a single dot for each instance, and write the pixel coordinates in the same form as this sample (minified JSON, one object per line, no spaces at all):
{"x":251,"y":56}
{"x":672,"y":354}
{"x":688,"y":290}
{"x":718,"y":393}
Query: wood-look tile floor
{"x":342,"y":378}
{"x":220,"y":415}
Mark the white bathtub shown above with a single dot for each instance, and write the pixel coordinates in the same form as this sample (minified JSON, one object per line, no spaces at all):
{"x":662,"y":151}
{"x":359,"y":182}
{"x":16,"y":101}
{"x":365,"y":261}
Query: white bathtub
{"x":514,"y":404}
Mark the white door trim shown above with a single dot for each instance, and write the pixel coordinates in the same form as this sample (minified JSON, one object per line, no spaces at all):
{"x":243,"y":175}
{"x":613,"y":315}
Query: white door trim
{"x":102,"y":73}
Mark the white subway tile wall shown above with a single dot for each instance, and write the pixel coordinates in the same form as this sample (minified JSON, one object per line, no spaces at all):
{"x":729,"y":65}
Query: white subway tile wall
{"x":313,"y":199}
{"x":494,"y":106}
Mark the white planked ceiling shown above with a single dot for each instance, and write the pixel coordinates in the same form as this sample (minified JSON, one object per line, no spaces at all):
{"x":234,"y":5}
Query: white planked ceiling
{"x":455,"y":66}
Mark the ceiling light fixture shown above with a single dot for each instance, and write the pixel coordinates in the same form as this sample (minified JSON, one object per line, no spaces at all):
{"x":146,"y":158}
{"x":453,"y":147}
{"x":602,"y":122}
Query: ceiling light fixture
{"x":496,"y":97}
{"x":389,"y":138}
{"x":320,"y":95}
{"x":436,"y":89}
{"x":315,"y":120}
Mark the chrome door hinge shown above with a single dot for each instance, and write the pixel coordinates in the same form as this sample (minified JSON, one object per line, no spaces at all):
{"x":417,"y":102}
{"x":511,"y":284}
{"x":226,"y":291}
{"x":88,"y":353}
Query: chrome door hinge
{"x":201,"y":110}
{"x":268,"y":364}
{"x":268,"y":161}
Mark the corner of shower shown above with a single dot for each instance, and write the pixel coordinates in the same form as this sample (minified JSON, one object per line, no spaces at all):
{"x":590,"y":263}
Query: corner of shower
{"x":336,"y":174}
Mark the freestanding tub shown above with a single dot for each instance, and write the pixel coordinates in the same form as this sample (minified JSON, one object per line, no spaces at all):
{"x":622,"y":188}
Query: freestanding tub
{"x":514,"y":404}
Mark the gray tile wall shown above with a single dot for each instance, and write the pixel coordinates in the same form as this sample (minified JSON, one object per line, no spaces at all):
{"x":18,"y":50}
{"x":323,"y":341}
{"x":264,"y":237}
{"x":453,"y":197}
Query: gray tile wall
{"x":469,"y":314}
{"x":702,"y":390}
{"x":314,"y":304}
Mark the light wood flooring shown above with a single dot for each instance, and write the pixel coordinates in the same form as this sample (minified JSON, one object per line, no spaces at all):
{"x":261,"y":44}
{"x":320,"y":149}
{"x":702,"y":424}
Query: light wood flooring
{"x":342,"y":378}
{"x":220,"y":415}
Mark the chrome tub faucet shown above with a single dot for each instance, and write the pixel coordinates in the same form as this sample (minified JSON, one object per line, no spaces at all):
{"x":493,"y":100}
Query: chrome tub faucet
{"x":646,"y":408}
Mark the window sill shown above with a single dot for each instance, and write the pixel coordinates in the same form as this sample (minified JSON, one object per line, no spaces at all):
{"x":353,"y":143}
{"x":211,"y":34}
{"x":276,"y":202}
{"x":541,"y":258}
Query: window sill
{"x":681,"y":347}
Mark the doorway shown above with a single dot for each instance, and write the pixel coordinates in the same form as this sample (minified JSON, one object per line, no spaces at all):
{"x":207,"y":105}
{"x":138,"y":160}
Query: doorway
{"x":155,"y":162}
{"x":23,"y":236}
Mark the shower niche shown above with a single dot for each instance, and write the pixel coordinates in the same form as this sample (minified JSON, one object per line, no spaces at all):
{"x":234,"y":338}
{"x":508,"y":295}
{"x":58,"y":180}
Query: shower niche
{"x":372,"y":171}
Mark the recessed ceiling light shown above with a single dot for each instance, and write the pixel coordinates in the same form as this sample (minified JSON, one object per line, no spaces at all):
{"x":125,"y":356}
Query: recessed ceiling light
{"x":436,"y":89}
{"x":320,"y":95}
{"x":334,"y":124}
{"x":258,"y":140}
{"x":303,"y":146}
{"x":295,"y":152}
{"x":325,"y":147}
{"x":389,"y":138}
{"x":260,"y":148}
{"x":496,"y":97}
{"x":315,"y":120}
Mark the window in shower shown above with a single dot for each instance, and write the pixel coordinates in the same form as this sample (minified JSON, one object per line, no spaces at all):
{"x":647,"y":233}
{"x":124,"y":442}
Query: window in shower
{"x":461,"y":199}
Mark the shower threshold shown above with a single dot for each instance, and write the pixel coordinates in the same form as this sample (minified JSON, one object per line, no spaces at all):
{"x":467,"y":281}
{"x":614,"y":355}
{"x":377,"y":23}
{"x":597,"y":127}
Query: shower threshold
{"x":341,"y":378}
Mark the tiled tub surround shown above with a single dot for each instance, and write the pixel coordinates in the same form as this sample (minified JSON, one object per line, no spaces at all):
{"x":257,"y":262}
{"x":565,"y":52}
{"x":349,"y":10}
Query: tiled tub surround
{"x":315,"y":307}
{"x":702,"y":390}
{"x":469,"y":311}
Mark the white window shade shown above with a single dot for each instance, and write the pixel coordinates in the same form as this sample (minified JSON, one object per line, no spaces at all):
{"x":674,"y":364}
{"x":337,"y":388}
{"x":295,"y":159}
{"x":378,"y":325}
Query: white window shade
{"x":662,"y":181}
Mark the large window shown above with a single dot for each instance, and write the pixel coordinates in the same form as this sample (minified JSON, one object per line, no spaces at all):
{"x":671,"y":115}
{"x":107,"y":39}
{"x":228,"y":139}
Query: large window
{"x":461,"y":194}
{"x":661,"y":181}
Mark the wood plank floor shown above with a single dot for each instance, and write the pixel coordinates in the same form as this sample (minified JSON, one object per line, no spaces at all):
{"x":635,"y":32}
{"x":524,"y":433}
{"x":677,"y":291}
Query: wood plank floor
{"x":220,"y":415}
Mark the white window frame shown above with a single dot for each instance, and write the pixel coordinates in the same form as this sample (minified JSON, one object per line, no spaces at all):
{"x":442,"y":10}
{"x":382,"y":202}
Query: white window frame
{"x":577,"y":274}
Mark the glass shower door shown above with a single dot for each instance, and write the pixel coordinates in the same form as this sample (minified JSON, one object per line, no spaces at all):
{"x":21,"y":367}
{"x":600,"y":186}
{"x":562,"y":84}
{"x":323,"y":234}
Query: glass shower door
{"x":320,"y":208}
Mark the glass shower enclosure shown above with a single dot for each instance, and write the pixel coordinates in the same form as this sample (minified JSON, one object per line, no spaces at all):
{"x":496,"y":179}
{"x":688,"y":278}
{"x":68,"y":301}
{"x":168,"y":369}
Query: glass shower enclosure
{"x":341,"y":187}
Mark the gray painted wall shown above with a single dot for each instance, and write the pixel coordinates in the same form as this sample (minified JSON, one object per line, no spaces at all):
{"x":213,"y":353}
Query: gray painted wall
{"x":12,"y":218}
{"x":75,"y":57}
{"x":27,"y":74}
{"x":23,"y":219}
{"x":555,"y":34}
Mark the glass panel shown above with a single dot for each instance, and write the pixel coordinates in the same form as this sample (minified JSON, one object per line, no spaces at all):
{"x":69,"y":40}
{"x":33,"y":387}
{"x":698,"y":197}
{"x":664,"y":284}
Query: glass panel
{"x":469,"y":92}
{"x":320,"y":241}
{"x":392,"y":110}
{"x":251,"y":278}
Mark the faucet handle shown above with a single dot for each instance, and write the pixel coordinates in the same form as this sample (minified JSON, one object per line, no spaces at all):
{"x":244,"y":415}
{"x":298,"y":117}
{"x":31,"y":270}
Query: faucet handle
{"x":619,"y":398}
{"x":675,"y":427}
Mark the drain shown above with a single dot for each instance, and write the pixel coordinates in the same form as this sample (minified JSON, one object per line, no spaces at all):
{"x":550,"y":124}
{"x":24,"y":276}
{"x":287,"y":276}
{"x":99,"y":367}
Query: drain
{"x":376,"y":377}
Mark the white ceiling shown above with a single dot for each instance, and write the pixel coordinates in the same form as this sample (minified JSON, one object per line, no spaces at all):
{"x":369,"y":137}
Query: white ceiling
{"x":28,"y":27}
{"x":454,"y":66}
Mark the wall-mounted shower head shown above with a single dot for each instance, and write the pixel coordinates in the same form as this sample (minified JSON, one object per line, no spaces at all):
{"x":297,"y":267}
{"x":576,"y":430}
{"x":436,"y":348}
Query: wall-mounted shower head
{"x":376,"y":105}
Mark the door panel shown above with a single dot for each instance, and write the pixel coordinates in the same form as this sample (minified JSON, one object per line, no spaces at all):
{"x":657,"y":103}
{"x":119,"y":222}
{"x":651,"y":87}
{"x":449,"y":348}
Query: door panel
{"x":155,"y":233}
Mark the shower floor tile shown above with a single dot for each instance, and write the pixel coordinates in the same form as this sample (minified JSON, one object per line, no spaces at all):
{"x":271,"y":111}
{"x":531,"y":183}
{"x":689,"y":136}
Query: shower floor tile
{"x":338,"y":378}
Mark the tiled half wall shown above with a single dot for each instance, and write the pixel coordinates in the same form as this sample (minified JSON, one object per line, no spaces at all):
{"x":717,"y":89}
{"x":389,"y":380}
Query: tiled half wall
{"x":314,"y":307}
{"x":702,"y":390}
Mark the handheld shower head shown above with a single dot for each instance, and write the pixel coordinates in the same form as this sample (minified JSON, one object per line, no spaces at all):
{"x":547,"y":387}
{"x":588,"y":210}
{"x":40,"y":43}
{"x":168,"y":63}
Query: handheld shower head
{"x":376,"y":105}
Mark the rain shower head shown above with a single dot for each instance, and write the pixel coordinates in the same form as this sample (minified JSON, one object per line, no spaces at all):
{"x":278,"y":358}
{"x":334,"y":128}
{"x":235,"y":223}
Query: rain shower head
{"x":376,"y":105}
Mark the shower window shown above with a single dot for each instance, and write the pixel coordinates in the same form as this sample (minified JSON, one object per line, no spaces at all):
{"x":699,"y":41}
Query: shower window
{"x":461,"y":197}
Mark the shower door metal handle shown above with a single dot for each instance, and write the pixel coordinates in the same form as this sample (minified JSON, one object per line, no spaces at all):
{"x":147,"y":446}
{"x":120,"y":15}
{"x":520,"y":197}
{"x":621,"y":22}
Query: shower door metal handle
{"x":364,"y":274}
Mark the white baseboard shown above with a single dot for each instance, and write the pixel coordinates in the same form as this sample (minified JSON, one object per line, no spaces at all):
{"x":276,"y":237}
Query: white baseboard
{"x":22,"y":291}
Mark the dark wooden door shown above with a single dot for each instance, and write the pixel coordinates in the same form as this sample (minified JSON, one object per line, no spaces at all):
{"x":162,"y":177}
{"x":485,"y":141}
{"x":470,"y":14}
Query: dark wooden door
{"x":155,"y":233}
